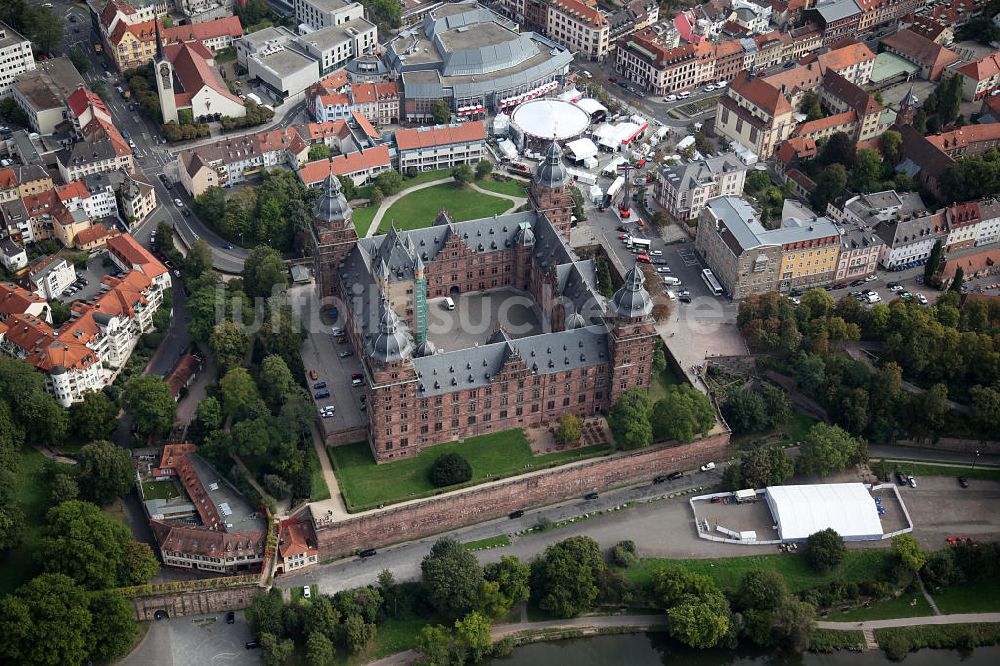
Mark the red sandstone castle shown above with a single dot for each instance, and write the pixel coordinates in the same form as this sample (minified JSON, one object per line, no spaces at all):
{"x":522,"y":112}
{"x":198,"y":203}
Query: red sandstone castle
{"x":589,"y":350}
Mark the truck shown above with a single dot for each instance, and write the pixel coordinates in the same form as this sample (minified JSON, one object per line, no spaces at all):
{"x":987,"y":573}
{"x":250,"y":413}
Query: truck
{"x":255,"y":98}
{"x":744,"y":496}
{"x":616,"y":187}
{"x":583,"y":176}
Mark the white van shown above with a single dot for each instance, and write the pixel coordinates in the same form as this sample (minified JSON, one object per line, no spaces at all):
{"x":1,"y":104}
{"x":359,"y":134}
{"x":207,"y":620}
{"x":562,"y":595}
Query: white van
{"x":671,"y":280}
{"x":684,"y":95}
{"x":449,"y":304}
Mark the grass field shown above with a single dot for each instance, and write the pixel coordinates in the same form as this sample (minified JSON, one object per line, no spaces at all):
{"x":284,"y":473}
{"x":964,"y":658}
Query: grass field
{"x":319,"y":490}
{"x":32,"y":495}
{"x":365,"y":484}
{"x":418,"y":209}
{"x":512,"y":187}
{"x":363,"y":219}
{"x":858,"y":565}
{"x":492,"y":542}
{"x":661,"y":381}
{"x":976,"y":597}
{"x":392,"y":636}
{"x":899,"y":607}
{"x":159,"y":490}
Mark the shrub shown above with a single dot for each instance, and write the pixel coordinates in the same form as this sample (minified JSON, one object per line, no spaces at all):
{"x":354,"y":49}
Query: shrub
{"x":449,"y":469}
{"x":623,"y":554}
{"x":570,"y":429}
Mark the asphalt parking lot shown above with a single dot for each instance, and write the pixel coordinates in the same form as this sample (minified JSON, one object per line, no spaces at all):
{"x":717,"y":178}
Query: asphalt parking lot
{"x":93,"y":273}
{"x":202,"y":639}
{"x":940,"y":508}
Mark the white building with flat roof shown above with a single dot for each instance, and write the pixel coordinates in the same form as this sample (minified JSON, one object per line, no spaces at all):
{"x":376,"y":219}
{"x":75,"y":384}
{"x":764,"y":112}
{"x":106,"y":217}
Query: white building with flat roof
{"x":318,"y":14}
{"x":15,"y":58}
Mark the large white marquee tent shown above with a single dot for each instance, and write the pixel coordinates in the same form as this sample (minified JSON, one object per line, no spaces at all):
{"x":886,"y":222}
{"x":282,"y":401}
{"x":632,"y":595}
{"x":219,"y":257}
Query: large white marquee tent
{"x":848,"y":508}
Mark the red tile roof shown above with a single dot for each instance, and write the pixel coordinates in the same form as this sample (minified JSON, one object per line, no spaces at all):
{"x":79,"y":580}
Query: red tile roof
{"x":920,"y":49}
{"x":81,"y":98}
{"x":984,"y":68}
{"x":180,"y":376}
{"x":228,"y":25}
{"x":371,"y":92}
{"x":296,"y":537}
{"x":440,"y":135}
{"x":964,"y":137}
{"x":846,"y":56}
{"x":821,"y":124}
{"x":73,"y":190}
{"x":971,"y":264}
{"x":761,"y":94}
{"x":342,"y":165}
{"x":144,"y":31}
{"x":364,"y":125}
{"x":133,"y":254}
{"x":16,"y":300}
{"x":584,"y":13}
{"x":191,"y":67}
{"x":91,"y":235}
{"x":317,"y":131}
{"x":8,"y":179}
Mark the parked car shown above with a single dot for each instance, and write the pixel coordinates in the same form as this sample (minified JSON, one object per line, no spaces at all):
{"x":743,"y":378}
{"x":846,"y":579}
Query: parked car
{"x":346,"y":353}
{"x":319,"y":385}
{"x":230,"y":617}
{"x":227,"y":246}
{"x":670,"y":98}
{"x":313,"y":374}
{"x":644,"y":258}
{"x":663,"y":269}
{"x":659,"y":479}
{"x":900,"y":478}
{"x":708,"y":467}
{"x":911,"y":481}
{"x":252,"y":645}
{"x":657,"y":252}
{"x":921,"y":299}
{"x":338,"y":330}
{"x":515,"y":514}
{"x":964,"y":482}
{"x":178,"y":203}
{"x":306,"y":592}
{"x":591,"y":496}
{"x":368,"y":552}
{"x":319,"y":395}
{"x":673,"y":476}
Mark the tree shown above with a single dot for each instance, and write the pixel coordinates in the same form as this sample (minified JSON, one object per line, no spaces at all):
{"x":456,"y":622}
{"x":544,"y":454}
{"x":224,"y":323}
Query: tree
{"x":957,"y":281}
{"x":46,"y":621}
{"x":672,"y":584}
{"x":825,"y":550}
{"x":11,"y":527}
{"x":756,"y":181}
{"x":60,"y":313}
{"x":106,"y":472}
{"x":761,"y":590}
{"x":462,"y":173}
{"x":318,"y":151}
{"x":238,"y":391}
{"x":570,"y":429}
{"x":629,"y":420}
{"x":433,"y":642}
{"x":473,"y":633}
{"x":377,"y":197}
{"x":838,"y":149}
{"x":113,"y":625}
{"x":452,"y":577}
{"x":933,"y":265}
{"x":985,"y":403}
{"x":700,"y":622}
{"x":358,"y":633}
{"x":23,"y":389}
{"x":440,"y":112}
{"x":263,"y":271}
{"x":45,"y":27}
{"x":148,"y":400}
{"x":809,"y":105}
{"x":199,"y":259}
{"x":890,"y":142}
{"x":92,"y":548}
{"x":275,"y":379}
{"x":681,"y":414}
{"x":483,"y":169}
{"x":867,"y":170}
{"x":93,"y":417}
{"x":830,"y":183}
{"x":274,"y":651}
{"x":63,"y":489}
{"x":264,"y":614}
{"x":389,"y":181}
{"x":209,"y":205}
{"x":760,"y":467}
{"x":827,"y":449}
{"x":348,"y":188}
{"x":907,"y":549}
{"x":79,"y":59}
{"x":319,"y":650}
{"x":449,"y":469}
{"x":209,"y":414}
{"x":565,"y":579}
{"x":512,"y":580}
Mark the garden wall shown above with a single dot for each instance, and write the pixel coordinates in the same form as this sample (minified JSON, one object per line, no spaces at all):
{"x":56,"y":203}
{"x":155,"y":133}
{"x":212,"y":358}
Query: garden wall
{"x":420,"y":518}
{"x":201,"y":602}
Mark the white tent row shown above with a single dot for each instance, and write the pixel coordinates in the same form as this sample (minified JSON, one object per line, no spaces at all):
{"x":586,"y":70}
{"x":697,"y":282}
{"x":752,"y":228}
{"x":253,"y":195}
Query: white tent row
{"x":581,"y":149}
{"x":848,"y":508}
{"x":591,"y":106}
{"x":508,"y":148}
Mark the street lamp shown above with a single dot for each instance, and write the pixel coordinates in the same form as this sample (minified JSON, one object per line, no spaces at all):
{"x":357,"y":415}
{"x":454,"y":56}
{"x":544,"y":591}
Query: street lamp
{"x":974,"y":461}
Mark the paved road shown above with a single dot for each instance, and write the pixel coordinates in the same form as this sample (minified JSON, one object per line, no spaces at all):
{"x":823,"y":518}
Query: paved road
{"x":961,"y":618}
{"x":930,"y":455}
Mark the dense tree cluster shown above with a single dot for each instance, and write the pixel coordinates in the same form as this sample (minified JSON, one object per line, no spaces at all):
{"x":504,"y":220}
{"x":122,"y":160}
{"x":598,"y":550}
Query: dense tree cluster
{"x":255,"y":115}
{"x":825,"y":550}
{"x":680,"y":415}
{"x":769,"y":197}
{"x":35,"y":21}
{"x":942,"y":106}
{"x":698,"y":613}
{"x":756,"y":410}
{"x":276,"y":212}
{"x":973,"y":176}
{"x":841,"y":165}
{"x":759,"y":467}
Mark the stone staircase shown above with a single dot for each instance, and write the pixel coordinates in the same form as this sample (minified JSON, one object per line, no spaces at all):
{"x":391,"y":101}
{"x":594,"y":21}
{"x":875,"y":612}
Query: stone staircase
{"x":870,"y":642}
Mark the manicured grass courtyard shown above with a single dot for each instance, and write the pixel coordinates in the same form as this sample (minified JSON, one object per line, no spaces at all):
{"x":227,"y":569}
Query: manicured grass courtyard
{"x":511,"y":187}
{"x":419,"y":209}
{"x":858,"y":565}
{"x":319,"y":490}
{"x":363,"y":219}
{"x":497,"y":455}
{"x":159,"y":490}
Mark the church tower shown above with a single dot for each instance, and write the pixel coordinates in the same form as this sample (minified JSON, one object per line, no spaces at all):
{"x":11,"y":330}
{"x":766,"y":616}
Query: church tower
{"x":333,"y":235}
{"x":550,"y":190}
{"x":165,"y":89}
{"x":631,"y":335}
{"x":907,"y":109}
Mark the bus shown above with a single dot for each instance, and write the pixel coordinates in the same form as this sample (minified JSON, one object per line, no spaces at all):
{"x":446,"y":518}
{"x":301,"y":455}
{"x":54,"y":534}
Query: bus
{"x":711,"y":281}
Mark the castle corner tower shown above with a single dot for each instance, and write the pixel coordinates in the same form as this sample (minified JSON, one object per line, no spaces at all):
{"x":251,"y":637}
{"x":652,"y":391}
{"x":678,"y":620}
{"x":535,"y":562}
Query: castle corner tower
{"x":550,"y":190}
{"x":631,"y":335}
{"x":334,"y":235}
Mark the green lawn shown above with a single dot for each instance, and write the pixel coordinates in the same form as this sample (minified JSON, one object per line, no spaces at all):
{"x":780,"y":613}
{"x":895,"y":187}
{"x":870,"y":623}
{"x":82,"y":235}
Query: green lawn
{"x":365,"y":484}
{"x":660,"y":382}
{"x":319,"y":490}
{"x":32,"y":495}
{"x":491,"y":542}
{"x":159,"y":490}
{"x":902,"y":606}
{"x":419,"y":209}
{"x":512,"y":187}
{"x":975,"y":597}
{"x":393,"y":636}
{"x":858,"y":565}
{"x":363,"y":219}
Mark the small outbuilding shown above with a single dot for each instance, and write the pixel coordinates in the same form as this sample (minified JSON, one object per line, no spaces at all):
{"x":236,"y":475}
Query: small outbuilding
{"x":848,"y":508}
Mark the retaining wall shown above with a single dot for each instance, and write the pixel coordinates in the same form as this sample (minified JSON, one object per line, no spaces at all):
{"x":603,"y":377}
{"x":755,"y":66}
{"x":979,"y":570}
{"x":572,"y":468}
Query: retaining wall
{"x":433,"y":515}
{"x":181,"y":603}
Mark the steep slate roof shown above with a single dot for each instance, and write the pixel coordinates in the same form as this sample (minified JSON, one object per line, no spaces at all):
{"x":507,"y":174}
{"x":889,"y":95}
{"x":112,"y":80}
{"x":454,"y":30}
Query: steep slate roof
{"x":850,"y":93}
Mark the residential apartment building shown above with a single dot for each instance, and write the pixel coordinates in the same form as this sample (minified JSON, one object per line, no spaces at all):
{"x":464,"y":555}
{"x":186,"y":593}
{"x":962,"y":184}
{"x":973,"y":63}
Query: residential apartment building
{"x":441,"y":146}
{"x":980,"y":77}
{"x":15,"y":58}
{"x":333,"y":46}
{"x":297,"y":545}
{"x":860,"y":249}
{"x":580,"y":27}
{"x":989,"y":225}
{"x":910,"y":238}
{"x":101,"y":149}
{"x":360,"y":166}
{"x":12,"y":256}
{"x":234,"y":160}
{"x":378,"y":102}
{"x":50,"y":276}
{"x":854,"y":62}
{"x":747,"y":258}
{"x":683,"y":190}
{"x":319,"y":14}
{"x":836,"y":18}
{"x":660,"y":70}
{"x":42,"y":92}
{"x":138,"y":197}
{"x":967,"y":140}
{"x":214,"y":528}
{"x":16,"y":300}
{"x":214,"y":35}
{"x":129,"y":255}
{"x":755,"y":115}
{"x":94,"y":195}
{"x":963,"y":223}
{"x":128,"y":32}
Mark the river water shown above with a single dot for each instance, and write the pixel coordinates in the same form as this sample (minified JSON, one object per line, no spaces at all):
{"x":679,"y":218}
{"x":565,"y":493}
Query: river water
{"x":657,"y":649}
